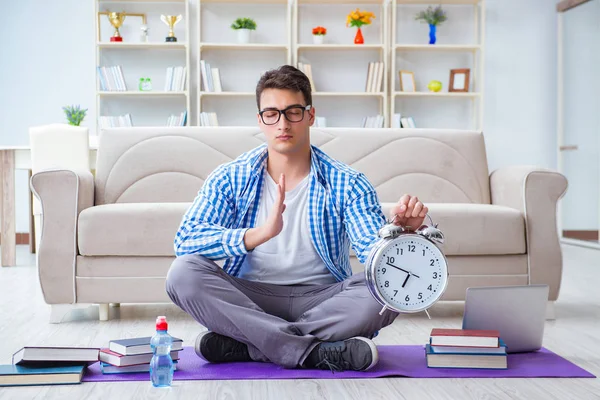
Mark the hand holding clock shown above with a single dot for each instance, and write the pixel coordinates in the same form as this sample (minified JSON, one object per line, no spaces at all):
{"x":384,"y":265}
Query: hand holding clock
{"x":409,"y":212}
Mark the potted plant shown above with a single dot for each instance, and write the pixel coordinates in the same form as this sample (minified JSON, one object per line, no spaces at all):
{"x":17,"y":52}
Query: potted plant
{"x":243,"y":26}
{"x":434,"y":17}
{"x":357,"y":19}
{"x":319,"y":34}
{"x":75,"y":114}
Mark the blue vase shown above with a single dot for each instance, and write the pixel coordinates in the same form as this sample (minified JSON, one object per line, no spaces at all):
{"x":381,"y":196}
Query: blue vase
{"x":432,"y":33}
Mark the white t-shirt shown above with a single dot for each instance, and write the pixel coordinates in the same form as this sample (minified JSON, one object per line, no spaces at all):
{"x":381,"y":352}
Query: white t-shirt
{"x":290,"y":257}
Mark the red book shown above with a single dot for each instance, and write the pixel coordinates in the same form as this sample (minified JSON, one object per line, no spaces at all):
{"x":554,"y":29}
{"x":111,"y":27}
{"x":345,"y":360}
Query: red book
{"x":463,"y":337}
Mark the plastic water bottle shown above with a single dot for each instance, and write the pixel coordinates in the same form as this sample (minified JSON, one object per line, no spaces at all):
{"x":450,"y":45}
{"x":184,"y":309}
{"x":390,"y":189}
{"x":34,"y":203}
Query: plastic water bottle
{"x":161,"y":365}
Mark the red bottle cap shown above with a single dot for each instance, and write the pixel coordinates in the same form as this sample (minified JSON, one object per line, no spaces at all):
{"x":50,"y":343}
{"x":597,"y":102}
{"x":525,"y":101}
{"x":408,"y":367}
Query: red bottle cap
{"x":161,"y":323}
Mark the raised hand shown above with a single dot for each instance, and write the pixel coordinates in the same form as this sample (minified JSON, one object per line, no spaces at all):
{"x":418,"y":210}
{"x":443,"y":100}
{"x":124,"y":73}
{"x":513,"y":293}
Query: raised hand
{"x":274,"y":224}
{"x":409,"y":211}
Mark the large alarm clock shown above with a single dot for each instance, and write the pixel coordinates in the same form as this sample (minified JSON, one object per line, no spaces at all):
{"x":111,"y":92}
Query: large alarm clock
{"x":406,"y":271}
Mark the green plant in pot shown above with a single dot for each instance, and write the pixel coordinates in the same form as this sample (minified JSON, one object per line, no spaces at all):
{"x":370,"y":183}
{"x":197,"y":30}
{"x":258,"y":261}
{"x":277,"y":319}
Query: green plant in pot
{"x":244,"y":26}
{"x":75,"y":114}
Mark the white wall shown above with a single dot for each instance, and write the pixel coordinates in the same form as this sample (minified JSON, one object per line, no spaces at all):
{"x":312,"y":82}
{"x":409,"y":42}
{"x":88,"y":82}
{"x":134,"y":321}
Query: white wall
{"x":47,"y":60}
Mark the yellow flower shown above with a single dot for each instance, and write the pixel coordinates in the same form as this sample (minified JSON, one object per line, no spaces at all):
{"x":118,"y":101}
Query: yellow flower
{"x":358,"y":18}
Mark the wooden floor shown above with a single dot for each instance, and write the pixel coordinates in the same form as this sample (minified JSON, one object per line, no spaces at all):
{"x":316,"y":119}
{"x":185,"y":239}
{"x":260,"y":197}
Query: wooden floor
{"x":575,"y":335}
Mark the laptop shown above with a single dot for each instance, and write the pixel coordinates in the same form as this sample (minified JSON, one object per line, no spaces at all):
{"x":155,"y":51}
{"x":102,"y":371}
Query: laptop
{"x":518,"y":312}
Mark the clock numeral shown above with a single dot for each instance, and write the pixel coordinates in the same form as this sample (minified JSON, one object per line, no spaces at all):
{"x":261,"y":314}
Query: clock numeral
{"x":383,"y":270}
{"x":390,"y":260}
{"x":387,"y":284}
{"x":423,"y":252}
{"x":395,"y":293}
{"x":407,"y":298}
{"x":435,"y":275}
{"x":431,"y":262}
{"x":411,"y":248}
{"x":420,"y":295}
{"x":429,"y":287}
{"x":399,"y":251}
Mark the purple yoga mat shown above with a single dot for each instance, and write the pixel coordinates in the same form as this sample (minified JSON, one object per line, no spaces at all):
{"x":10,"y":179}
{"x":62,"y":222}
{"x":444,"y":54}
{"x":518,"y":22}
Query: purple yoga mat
{"x":405,"y":361}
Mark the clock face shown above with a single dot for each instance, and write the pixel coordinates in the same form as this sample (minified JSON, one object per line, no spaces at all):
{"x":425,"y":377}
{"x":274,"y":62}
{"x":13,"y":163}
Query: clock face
{"x":410,"y":273}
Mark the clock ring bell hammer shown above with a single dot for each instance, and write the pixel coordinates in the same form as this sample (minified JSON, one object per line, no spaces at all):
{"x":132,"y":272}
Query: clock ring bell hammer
{"x":406,"y":270}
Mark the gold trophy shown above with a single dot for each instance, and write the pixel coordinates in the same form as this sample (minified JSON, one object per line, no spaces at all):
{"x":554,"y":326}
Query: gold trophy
{"x":116,"y":20}
{"x":171,"y":21}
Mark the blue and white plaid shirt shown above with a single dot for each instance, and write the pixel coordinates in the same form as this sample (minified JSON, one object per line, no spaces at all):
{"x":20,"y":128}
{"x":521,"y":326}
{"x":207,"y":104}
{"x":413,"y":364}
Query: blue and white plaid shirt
{"x":343,"y":210}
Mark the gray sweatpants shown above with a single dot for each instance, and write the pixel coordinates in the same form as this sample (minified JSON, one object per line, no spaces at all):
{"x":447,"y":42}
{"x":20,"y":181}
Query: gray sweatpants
{"x":280,"y":324}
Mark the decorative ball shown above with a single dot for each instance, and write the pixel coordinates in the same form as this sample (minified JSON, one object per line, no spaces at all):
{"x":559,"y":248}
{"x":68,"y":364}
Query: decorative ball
{"x":434,"y":86}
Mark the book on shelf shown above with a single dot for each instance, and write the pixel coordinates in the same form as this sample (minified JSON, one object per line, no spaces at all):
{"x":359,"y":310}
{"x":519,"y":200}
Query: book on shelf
{"x":398,"y":121}
{"x":177,"y":120}
{"x":208,"y":119}
{"x":120,"y":360}
{"x":55,"y":356}
{"x":210,"y":77}
{"x":112,"y":79}
{"x":464,"y":337}
{"x":139,"y":345}
{"x":111,"y":369}
{"x":467,"y":357}
{"x":19,"y":375}
{"x":106,"y":121}
{"x":374,"y":80}
{"x":175,"y":79}
{"x":376,"y":121}
{"x":307,"y":69}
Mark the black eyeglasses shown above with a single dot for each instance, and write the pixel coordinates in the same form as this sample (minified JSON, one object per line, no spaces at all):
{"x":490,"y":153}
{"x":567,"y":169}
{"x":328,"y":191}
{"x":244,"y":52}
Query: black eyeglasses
{"x":292,"y":114}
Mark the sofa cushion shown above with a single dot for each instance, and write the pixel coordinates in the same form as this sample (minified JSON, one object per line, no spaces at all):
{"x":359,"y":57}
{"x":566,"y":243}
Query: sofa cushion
{"x":477,"y":229}
{"x":148,"y":229}
{"x":130,"y":229}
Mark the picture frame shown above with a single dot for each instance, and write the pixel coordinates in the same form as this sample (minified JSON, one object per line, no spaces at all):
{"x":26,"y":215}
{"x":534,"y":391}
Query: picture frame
{"x":459,"y":80}
{"x":129,"y":31}
{"x":407,"y":81}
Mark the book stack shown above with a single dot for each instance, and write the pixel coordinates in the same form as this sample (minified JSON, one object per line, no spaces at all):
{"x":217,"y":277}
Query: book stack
{"x":211,"y":77}
{"x":177,"y":120}
{"x":175,"y":79}
{"x":111,"y":78}
{"x":47,"y":366}
{"x":374,"y":77}
{"x":460,"y":348}
{"x":132,"y":355}
{"x":209,"y":119}
{"x":398,"y":121}
{"x":107,"y":121}
{"x":375,"y":121}
{"x":307,"y":69}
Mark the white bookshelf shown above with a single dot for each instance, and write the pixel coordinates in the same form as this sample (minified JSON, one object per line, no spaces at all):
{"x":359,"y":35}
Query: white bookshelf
{"x":460,"y":44}
{"x":340,"y":67}
{"x":143,"y":59}
{"x":240,"y":65}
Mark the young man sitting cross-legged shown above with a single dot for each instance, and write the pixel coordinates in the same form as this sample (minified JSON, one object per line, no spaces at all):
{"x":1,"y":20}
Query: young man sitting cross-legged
{"x":283,"y":217}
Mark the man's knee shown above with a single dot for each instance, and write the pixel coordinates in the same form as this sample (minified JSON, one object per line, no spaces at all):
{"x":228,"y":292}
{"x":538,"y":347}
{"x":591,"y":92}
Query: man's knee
{"x":187,"y":271}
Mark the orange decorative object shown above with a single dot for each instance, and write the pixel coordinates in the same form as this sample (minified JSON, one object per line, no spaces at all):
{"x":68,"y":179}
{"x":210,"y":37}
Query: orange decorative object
{"x":358,"y":39}
{"x":356,"y":19}
{"x":319,"y":30}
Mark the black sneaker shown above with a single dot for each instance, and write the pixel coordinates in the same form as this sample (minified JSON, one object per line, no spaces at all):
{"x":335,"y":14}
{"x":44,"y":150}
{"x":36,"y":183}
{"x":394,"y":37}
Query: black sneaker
{"x":357,"y":354}
{"x":216,"y":348}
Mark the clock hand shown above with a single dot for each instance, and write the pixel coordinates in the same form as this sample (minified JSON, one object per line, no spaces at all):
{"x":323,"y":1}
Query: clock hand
{"x":406,"y":280}
{"x":403,"y":270}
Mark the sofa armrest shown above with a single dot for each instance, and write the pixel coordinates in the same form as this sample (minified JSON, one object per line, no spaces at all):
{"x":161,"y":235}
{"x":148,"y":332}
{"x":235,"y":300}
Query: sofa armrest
{"x":63,"y":195}
{"x":535,"y":192}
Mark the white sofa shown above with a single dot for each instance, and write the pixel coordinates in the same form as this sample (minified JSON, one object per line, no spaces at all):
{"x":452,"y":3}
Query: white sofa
{"x":108,"y":238}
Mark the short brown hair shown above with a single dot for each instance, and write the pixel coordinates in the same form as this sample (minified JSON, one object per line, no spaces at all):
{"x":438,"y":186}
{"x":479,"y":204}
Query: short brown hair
{"x":284,"y":77}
